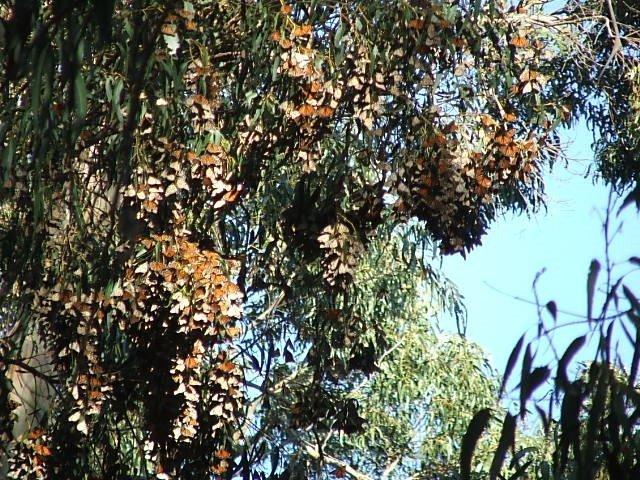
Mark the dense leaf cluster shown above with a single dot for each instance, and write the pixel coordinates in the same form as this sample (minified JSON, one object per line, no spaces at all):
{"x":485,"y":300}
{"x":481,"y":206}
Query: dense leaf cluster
{"x":218,"y":220}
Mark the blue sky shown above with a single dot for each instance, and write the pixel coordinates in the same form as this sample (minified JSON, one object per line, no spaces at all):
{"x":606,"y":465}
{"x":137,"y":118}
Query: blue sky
{"x":562,"y":240}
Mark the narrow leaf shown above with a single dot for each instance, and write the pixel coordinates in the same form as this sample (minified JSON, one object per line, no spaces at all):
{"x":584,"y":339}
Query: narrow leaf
{"x":633,"y":300}
{"x":511,"y":362}
{"x":515,"y":461}
{"x":524,"y":379}
{"x":507,"y":440}
{"x":519,"y":473}
{"x":529,"y":385}
{"x":594,"y":269}
{"x":635,"y":361}
{"x":562,"y":379}
{"x":569,"y":426}
{"x":544,"y":417}
{"x":477,"y":426}
{"x":633,"y":197}
{"x":80,"y":96}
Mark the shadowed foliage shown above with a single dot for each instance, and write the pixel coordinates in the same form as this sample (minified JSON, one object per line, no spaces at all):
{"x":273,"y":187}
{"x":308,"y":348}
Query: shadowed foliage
{"x":220,"y":223}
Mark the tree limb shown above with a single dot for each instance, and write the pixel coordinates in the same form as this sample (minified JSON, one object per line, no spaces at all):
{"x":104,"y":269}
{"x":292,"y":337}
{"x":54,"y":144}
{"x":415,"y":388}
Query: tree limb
{"x":314,"y":452}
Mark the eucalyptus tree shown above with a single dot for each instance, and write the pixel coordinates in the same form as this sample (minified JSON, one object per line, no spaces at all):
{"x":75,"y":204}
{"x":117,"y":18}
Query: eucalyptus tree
{"x":190,"y":191}
{"x":408,"y":388}
{"x":590,"y":410}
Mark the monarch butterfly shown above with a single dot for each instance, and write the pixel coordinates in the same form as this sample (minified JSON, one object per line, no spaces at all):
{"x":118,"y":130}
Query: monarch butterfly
{"x":487,"y":120}
{"x":306,"y":110}
{"x":519,"y":42}
{"x":315,"y":87}
{"x":483,"y":181}
{"x":226,"y":367}
{"x":191,"y":362}
{"x":510,"y":117}
{"x":505,"y":138}
{"x":302,"y":31}
{"x":220,"y":469}
{"x":285,"y":43}
{"x":223,"y":454}
{"x":324,"y":112}
{"x":214,"y":149}
{"x":529,"y":75}
{"x":509,"y":150}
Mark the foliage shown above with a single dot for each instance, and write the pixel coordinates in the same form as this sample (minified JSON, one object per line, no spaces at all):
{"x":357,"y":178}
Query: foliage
{"x":192,"y":193}
{"x":605,"y":82}
{"x":590,"y":414}
{"x":413,"y":399}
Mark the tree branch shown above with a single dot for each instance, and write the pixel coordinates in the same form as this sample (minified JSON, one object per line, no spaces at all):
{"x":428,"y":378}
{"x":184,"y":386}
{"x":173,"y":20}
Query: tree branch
{"x":33,"y":371}
{"x":314,"y":452}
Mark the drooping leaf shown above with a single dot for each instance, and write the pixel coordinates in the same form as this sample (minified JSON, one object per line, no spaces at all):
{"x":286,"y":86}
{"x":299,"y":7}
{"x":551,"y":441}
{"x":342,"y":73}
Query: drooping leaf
{"x":80,"y":96}
{"x":562,"y":378}
{"x":506,"y":441}
{"x":592,"y":278}
{"x":530,"y":382}
{"x":511,"y":362}
{"x":553,"y":309}
{"x":476,"y":427}
{"x":633,"y":300}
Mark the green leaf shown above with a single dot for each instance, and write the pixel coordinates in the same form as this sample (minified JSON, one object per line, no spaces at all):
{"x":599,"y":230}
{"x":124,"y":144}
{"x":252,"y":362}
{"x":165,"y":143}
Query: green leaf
{"x":507,"y":440}
{"x":569,"y":425}
{"x":36,"y":85}
{"x":519,"y":473}
{"x":7,"y":158}
{"x":531,"y":380}
{"x":477,"y":426}
{"x":115,"y":100}
{"x":594,"y":269}
{"x":633,"y":300}
{"x":511,"y":362}
{"x":80,"y":96}
{"x":515,"y":461}
{"x":337,"y":39}
{"x":562,"y":378}
{"x":632,"y":197}
{"x":635,"y":360}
